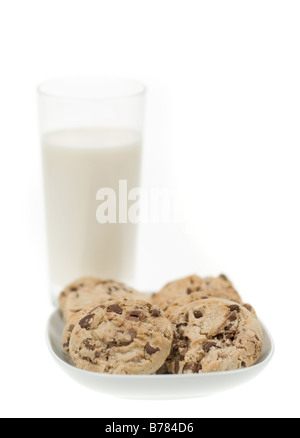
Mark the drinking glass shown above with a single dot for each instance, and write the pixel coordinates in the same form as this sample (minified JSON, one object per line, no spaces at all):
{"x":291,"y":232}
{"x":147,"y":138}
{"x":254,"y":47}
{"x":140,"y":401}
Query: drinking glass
{"x":91,"y":133}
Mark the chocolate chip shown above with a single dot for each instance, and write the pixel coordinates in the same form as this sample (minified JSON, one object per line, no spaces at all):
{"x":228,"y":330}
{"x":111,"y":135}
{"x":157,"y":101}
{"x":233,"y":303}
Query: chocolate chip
{"x":198,"y":314}
{"x":89,"y":346}
{"x":209,"y":345}
{"x":184,"y":343}
{"x":115,"y":308}
{"x":223,"y":277}
{"x":232,"y":316}
{"x":231,"y":335}
{"x":97,"y":354}
{"x":151,"y":350}
{"x":229,"y":327}
{"x":204,"y":298}
{"x":193,"y":366}
{"x":176,"y":367}
{"x":71,"y":328}
{"x":219,"y":337}
{"x":67,"y":344}
{"x":124,"y":343}
{"x":189,"y":291}
{"x":248,"y":307}
{"x":198,"y":289}
{"x":234,"y":307}
{"x":187,"y":317}
{"x":136,"y":315}
{"x":132,"y":333}
{"x":85,"y":322}
{"x":155,"y":312}
{"x":188,"y":366}
{"x":74,"y":289}
{"x":183,"y":324}
{"x":243,"y":365}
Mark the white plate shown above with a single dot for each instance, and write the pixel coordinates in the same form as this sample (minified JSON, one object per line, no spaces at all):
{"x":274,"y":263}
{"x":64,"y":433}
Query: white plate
{"x":154,"y":386}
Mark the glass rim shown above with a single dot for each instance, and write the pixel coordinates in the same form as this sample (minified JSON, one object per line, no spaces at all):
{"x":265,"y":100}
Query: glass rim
{"x":131,"y":88}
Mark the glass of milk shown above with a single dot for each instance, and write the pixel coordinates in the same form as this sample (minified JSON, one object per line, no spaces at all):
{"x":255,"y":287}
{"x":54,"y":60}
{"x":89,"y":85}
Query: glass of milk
{"x":91,"y":135}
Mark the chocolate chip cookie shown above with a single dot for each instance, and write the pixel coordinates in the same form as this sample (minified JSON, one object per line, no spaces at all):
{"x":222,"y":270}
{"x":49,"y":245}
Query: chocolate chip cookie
{"x":88,"y":297}
{"x":80,"y":302}
{"x":220,"y":287}
{"x":213,"y":334}
{"x":123,"y":336}
{"x":75,"y":286}
{"x":208,"y":287}
{"x":69,"y":327}
{"x":182,"y":301}
{"x":114,"y":289}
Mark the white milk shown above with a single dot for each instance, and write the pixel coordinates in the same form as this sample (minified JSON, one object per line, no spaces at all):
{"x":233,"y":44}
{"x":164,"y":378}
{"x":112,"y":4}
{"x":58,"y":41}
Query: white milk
{"x":77,"y":163}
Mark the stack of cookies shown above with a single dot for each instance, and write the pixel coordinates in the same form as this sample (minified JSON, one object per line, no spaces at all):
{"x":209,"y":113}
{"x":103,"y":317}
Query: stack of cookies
{"x":193,"y":325}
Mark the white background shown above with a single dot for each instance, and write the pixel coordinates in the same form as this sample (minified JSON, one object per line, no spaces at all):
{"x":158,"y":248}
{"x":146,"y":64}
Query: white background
{"x":223,"y":130}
